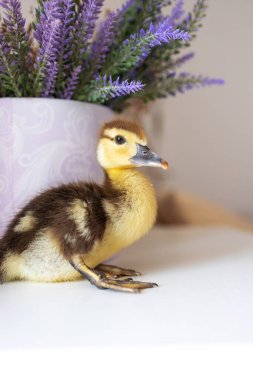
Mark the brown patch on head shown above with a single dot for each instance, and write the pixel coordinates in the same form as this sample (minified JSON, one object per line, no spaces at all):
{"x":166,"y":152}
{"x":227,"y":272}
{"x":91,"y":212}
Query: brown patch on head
{"x":125,"y":125}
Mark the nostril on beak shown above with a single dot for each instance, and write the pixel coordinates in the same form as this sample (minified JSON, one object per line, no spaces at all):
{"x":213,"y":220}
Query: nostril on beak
{"x":145,"y":151}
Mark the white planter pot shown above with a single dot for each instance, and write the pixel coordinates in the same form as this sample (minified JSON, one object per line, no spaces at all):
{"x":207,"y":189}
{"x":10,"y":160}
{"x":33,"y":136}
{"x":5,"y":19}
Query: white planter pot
{"x":44,"y":143}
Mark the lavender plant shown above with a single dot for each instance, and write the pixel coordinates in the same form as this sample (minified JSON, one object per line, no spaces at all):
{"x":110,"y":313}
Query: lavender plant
{"x":134,"y":52}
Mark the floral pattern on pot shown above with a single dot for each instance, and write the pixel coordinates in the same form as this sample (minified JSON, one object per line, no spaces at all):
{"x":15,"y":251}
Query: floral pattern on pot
{"x":44,"y":143}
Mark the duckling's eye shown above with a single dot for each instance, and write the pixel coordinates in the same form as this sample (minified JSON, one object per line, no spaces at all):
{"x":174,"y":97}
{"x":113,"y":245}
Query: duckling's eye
{"x":120,"y":140}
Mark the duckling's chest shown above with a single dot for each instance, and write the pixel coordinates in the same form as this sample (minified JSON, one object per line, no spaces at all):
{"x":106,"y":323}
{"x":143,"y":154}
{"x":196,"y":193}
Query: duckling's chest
{"x":134,"y":216}
{"x":129,"y":218}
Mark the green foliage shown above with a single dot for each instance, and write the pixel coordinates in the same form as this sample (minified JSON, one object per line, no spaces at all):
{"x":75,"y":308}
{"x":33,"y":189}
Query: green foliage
{"x":54,"y":57}
{"x":103,"y":89}
{"x":170,"y":86}
{"x":9,"y":85}
{"x":163,"y":58}
{"x":124,"y":58}
{"x":162,"y":88}
{"x":138,"y":15}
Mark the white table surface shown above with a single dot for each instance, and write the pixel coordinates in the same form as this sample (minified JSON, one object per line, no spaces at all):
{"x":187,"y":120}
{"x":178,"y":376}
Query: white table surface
{"x":205,"y":296}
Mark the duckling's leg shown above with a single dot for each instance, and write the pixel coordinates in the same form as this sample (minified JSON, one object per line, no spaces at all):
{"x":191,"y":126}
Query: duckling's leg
{"x":100,"y":280}
{"x":116,"y":272}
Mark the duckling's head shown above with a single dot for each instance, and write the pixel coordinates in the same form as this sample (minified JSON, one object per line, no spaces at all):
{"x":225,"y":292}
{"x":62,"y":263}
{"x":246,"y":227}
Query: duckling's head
{"x":123,"y":144}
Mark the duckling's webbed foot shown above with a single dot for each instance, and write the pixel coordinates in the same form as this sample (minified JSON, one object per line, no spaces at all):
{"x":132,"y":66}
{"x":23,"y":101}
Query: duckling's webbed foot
{"x":101,"y":281}
{"x":127,"y":285}
{"x":111,"y":271}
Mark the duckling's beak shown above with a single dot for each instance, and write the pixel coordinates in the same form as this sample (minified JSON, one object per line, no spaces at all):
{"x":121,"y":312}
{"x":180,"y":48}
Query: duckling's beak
{"x":145,"y":157}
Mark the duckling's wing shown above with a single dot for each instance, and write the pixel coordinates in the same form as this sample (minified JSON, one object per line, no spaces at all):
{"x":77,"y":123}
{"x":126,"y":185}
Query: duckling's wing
{"x":78,"y":218}
{"x":72,"y":214}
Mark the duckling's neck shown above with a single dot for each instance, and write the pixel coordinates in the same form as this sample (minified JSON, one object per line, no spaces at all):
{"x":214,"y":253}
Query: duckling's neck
{"x":136,"y":206}
{"x":125,"y":178}
{"x":136,"y":189}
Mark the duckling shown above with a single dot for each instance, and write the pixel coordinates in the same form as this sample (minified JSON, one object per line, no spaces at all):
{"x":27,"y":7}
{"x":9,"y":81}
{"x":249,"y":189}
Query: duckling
{"x":67,"y":232}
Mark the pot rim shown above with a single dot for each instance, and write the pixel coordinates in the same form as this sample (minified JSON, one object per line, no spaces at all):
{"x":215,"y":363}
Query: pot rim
{"x":55,"y":100}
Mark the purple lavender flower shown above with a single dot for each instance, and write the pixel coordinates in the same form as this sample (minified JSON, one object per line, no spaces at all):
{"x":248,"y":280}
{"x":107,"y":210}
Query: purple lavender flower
{"x":149,"y":7}
{"x":49,"y":63}
{"x":106,"y":89}
{"x":85,"y":26}
{"x":14,"y":33}
{"x":7,"y":67}
{"x":103,"y":41}
{"x":135,"y":49}
{"x":13,"y":44}
{"x":177,"y":12}
{"x":13,"y":23}
{"x":49,"y":35}
{"x":5,"y":49}
{"x":182,"y":60}
{"x":125,"y":7}
{"x":164,"y":33}
{"x":187,"y":81}
{"x":49,"y":81}
{"x":159,"y":34}
{"x":57,"y":17}
{"x":193,"y":20}
{"x":66,"y":61}
{"x":5,"y":54}
{"x":206,"y":81}
{"x":200,"y":7}
{"x":67,"y":27}
{"x":71,"y":83}
{"x":52,"y":11}
{"x":170,"y":74}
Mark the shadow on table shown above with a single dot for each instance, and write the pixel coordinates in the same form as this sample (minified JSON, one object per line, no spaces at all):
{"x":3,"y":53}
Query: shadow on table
{"x":166,"y":248}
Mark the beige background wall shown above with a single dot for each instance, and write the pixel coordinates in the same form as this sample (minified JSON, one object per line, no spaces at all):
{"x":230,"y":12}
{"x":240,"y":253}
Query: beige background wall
{"x":208,"y":133}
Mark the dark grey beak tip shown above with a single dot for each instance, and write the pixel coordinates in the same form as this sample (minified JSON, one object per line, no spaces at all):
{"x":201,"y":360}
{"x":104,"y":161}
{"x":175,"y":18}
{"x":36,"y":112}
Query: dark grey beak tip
{"x":145,"y":157}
